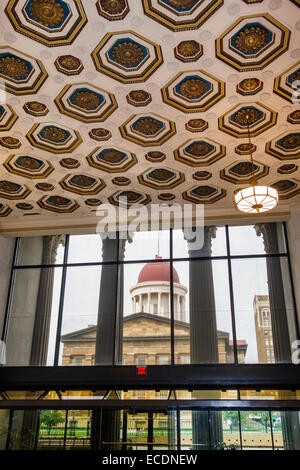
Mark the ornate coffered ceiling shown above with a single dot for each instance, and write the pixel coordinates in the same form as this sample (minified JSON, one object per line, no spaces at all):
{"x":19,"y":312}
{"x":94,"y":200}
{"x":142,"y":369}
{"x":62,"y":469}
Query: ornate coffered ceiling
{"x":145,"y":99}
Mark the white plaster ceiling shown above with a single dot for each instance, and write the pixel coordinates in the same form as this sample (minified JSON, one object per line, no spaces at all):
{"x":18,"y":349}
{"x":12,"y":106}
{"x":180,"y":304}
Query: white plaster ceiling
{"x":286,"y":12}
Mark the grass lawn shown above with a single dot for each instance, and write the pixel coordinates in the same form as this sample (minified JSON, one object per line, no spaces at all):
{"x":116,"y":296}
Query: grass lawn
{"x":59,"y":432}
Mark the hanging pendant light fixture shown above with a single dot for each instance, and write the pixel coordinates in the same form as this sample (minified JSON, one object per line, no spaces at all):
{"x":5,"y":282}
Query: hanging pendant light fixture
{"x":255,"y":199}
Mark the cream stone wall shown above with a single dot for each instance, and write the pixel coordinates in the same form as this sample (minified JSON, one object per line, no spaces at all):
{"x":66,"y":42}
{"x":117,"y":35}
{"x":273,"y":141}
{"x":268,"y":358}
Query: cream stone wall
{"x":139,"y":339}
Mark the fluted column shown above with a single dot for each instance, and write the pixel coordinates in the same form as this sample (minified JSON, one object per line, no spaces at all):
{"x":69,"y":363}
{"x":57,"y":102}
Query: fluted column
{"x":293,"y":232}
{"x":171,"y":430}
{"x":178,"y":308}
{"x":290,"y":429}
{"x":280,"y":332}
{"x":203,"y":331}
{"x":110,"y":309}
{"x":183,"y":309}
{"x":41,"y":329}
{"x":109,"y":333}
{"x":203,"y":323}
{"x":281,"y":338}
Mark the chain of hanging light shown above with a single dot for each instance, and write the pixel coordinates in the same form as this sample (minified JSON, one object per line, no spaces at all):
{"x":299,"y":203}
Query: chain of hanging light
{"x":255,"y":199}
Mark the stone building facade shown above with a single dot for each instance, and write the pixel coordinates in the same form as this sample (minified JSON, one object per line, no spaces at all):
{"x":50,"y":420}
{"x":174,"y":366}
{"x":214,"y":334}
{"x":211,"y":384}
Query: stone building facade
{"x":147,"y":332}
{"x":263,"y":328}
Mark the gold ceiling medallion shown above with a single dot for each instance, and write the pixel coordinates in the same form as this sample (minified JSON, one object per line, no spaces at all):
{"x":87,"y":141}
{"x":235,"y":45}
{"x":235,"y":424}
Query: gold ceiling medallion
{"x":200,"y":152}
{"x":260,"y":118}
{"x":252,"y":42}
{"x":205,"y":194}
{"x":285,"y":146}
{"x":193,"y":91}
{"x":53,"y":138}
{"x":285,"y":84}
{"x":249,"y":86}
{"x":127,"y":56}
{"x":21,"y":73}
{"x":47,"y":12}
{"x":50,"y":22}
{"x":181,"y":15}
{"x":10,"y":142}
{"x":147,"y":129}
{"x":113,"y":9}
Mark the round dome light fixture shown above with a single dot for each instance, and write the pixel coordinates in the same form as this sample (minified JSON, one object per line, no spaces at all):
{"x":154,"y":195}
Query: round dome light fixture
{"x":256,"y":199}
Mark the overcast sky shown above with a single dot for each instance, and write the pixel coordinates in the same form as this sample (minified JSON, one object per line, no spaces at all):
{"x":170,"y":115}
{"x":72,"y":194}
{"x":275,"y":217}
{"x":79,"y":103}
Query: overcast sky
{"x":82,"y":285}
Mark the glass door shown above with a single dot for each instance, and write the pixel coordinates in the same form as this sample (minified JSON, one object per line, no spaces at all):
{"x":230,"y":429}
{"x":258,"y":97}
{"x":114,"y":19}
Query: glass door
{"x":149,"y":430}
{"x":164,"y":426}
{"x":137,"y":431}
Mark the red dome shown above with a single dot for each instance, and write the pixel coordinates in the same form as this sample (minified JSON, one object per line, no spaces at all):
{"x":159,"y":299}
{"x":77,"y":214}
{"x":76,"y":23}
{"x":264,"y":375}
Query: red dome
{"x":157,"y":272}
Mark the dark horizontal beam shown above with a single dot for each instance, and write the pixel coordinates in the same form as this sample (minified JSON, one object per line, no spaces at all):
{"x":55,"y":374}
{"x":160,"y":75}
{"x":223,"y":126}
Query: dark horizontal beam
{"x":214,"y":376}
{"x":152,"y":260}
{"x":156,"y":405}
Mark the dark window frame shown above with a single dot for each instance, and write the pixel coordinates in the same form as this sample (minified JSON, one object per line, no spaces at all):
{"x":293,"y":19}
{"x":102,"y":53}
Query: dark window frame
{"x":228,"y":257}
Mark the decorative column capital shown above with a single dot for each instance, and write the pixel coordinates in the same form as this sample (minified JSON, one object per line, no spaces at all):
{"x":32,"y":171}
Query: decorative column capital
{"x":50,"y":246}
{"x":110,"y":245}
{"x":270,"y":236}
{"x":209,"y":232}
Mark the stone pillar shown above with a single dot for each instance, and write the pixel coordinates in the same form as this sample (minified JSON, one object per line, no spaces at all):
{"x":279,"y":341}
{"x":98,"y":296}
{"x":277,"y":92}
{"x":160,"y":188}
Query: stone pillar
{"x":110,"y":310}
{"x":280,"y":331}
{"x":172,"y":430}
{"x":4,"y":426}
{"x":293,"y":231}
{"x":158,"y":303}
{"x":178,"y":308}
{"x":142,"y":303}
{"x":203,"y":323}
{"x":22,"y":312}
{"x":42,"y":319}
{"x":291,"y":430}
{"x":183,"y":309}
{"x":110,"y":429}
{"x":30,"y":316}
{"x":41,"y":328}
{"x":175,"y":297}
{"x":279,"y":320}
{"x":203,"y":329}
{"x":109,"y":333}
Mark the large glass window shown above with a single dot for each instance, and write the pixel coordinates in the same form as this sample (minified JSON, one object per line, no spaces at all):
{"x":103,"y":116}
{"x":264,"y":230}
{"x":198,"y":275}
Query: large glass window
{"x":33,"y":321}
{"x":203,"y":323}
{"x":137,"y":429}
{"x":146,"y":332}
{"x":153,"y":299}
{"x":80,"y":313}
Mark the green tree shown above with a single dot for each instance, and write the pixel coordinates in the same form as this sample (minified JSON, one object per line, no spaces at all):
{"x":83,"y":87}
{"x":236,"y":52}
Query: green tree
{"x":51,"y":418}
{"x":260,"y":417}
{"x":233,"y":415}
{"x":263,"y":419}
